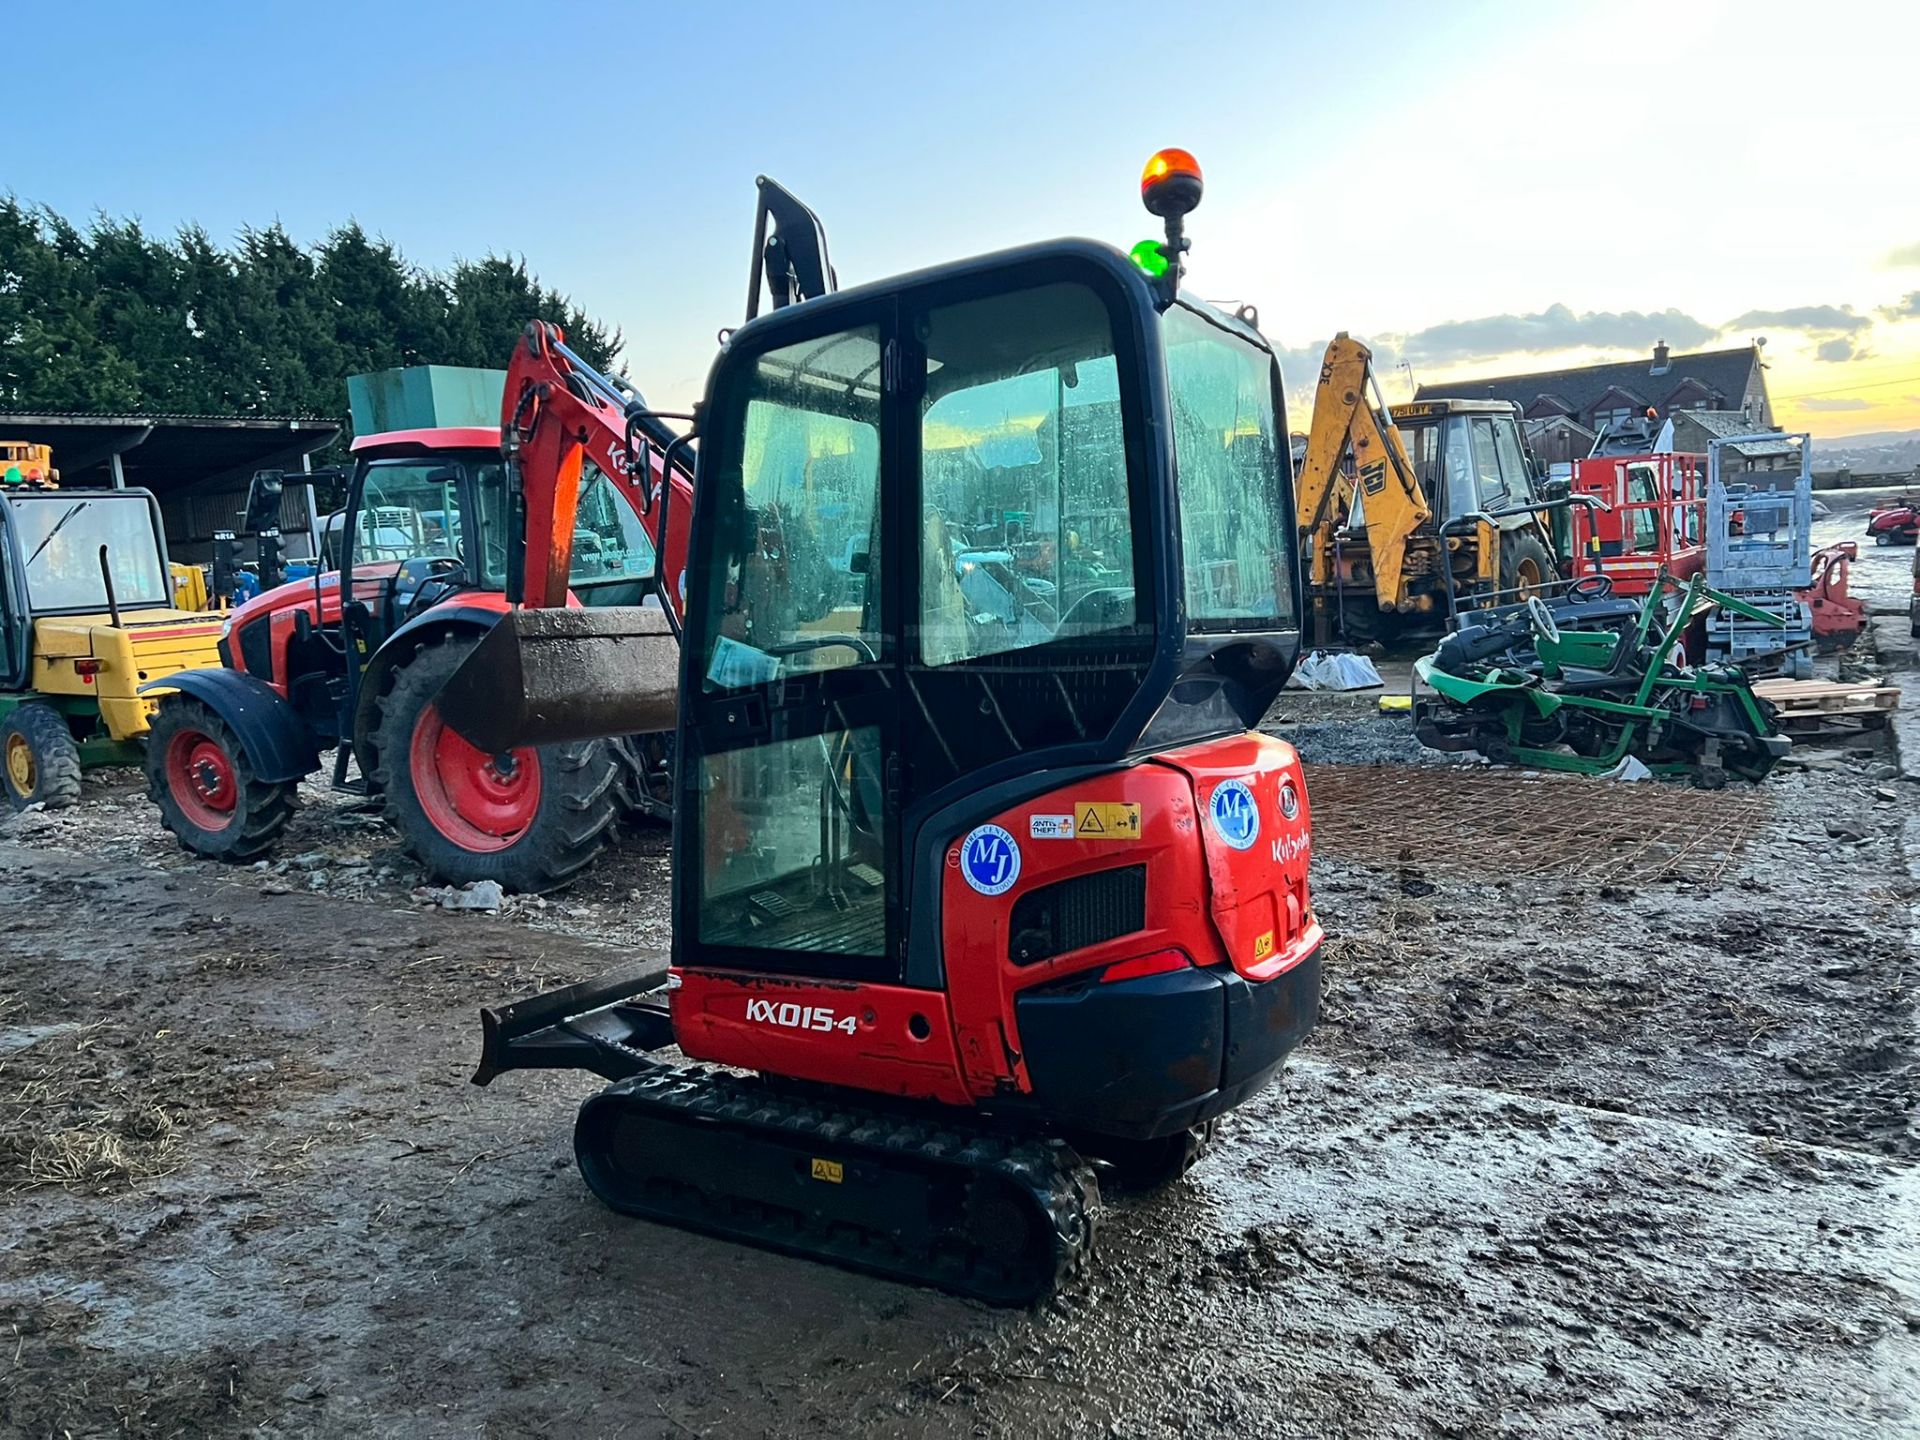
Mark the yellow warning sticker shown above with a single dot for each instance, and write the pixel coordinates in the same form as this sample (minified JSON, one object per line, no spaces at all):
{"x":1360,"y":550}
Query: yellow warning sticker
{"x":830,"y":1171}
{"x":1263,"y":945}
{"x":1107,"y":820}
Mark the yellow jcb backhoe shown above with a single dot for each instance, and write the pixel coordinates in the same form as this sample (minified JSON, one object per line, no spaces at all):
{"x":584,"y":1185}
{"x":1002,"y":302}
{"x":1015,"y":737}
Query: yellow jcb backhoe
{"x":1384,"y":492}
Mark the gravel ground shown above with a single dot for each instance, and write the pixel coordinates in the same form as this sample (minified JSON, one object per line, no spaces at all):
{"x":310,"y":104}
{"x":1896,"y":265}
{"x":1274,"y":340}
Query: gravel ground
{"x":1562,"y":1158}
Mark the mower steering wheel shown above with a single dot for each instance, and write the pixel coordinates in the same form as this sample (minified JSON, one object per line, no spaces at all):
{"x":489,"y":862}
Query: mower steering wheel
{"x":1591,"y":587}
{"x":1543,"y":622}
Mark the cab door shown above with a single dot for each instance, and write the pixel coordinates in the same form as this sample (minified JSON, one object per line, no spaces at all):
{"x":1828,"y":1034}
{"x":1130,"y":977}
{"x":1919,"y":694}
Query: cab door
{"x":789,"y":739}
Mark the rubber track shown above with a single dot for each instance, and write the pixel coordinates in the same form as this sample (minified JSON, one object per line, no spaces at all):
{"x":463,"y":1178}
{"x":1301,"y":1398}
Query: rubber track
{"x":1050,"y":1178}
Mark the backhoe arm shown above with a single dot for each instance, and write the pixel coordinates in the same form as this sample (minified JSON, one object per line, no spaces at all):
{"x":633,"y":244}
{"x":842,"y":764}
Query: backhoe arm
{"x":557,"y":414}
{"x":1392,"y":507}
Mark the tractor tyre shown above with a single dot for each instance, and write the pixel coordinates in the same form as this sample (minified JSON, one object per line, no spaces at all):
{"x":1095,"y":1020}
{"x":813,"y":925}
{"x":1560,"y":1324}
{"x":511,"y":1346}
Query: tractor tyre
{"x":1136,"y":1167}
{"x":1526,"y":568}
{"x":530,"y":820}
{"x":199,"y":775}
{"x":43,"y":763}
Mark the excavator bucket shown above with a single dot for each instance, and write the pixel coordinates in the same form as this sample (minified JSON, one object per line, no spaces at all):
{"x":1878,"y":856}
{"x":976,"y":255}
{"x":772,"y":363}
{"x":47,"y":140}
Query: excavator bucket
{"x":542,"y":676}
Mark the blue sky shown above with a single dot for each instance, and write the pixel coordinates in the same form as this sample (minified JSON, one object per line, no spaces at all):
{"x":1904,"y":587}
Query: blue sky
{"x":1474,"y":187}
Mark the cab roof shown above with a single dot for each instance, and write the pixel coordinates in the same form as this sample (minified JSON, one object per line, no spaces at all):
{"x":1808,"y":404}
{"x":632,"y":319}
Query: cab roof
{"x":427,"y":442}
{"x":1421,"y":409}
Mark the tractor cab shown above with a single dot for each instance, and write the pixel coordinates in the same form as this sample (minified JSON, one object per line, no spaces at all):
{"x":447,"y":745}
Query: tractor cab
{"x":433,"y":506}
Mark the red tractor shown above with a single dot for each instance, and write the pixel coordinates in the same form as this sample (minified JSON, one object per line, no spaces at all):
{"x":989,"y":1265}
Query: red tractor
{"x":437,"y":530}
{"x":980,"y":893}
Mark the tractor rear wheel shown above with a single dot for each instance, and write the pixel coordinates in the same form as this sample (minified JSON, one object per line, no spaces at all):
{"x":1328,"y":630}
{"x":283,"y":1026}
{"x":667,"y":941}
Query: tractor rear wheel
{"x":1525,"y":567}
{"x":199,"y":775}
{"x":530,"y":819}
{"x":43,"y":763}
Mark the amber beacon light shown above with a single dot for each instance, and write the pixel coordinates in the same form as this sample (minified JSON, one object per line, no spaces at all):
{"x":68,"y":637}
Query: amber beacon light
{"x":1171,"y":184}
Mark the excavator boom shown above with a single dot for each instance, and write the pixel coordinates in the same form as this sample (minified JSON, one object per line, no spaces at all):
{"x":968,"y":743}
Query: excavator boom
{"x":1349,"y":416}
{"x":559,"y":413}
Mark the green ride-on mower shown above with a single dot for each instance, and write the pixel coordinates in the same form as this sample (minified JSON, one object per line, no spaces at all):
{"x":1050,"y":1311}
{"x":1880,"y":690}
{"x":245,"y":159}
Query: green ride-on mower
{"x":1583,"y":683}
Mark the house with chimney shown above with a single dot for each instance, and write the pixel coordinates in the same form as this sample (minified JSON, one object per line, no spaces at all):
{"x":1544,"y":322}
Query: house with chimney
{"x":1595,"y":398}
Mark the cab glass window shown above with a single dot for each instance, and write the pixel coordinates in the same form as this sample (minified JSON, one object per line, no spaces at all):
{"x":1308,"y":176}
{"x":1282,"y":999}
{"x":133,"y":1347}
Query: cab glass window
{"x":1026,"y":535}
{"x":793,"y":845}
{"x":1645,"y":520}
{"x":61,"y":535}
{"x":612,"y":552}
{"x":1486,"y":464}
{"x":793,"y":555}
{"x":409,"y":512}
{"x":1516,"y":479}
{"x":1236,"y":524}
{"x":1423,"y":450}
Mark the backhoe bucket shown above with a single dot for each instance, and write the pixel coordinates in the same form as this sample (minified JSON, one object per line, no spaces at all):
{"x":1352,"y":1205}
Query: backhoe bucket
{"x":542,"y":676}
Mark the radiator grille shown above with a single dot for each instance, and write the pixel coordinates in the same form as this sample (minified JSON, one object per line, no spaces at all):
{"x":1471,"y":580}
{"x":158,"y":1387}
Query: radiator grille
{"x":1076,"y":913}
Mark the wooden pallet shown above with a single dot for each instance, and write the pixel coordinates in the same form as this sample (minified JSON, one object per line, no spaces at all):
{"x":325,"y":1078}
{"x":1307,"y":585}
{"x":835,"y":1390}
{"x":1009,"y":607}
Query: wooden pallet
{"x":1828,"y":697}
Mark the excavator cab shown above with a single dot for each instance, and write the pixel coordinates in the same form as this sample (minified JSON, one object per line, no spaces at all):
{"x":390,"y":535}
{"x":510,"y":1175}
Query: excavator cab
{"x":1026,"y":588}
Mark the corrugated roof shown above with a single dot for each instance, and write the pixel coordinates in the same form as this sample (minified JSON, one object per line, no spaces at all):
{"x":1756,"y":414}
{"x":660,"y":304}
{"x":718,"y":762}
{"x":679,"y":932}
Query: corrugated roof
{"x":91,"y":417}
{"x":1723,"y":372}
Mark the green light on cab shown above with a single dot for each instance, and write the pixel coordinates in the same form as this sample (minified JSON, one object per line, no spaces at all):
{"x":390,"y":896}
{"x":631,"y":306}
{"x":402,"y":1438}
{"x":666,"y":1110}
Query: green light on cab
{"x":1150,"y":257}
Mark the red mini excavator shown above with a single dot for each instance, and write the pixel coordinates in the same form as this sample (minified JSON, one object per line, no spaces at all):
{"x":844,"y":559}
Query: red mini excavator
{"x":980,"y":874}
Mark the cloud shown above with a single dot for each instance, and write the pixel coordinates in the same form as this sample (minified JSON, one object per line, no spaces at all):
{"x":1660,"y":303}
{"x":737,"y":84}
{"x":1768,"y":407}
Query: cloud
{"x":1301,"y":368}
{"x":1556,"y":328}
{"x":1905,"y":256}
{"x":1814,"y":319}
{"x":1838,"y":349}
{"x":1842,"y":403}
{"x":1907,"y":307}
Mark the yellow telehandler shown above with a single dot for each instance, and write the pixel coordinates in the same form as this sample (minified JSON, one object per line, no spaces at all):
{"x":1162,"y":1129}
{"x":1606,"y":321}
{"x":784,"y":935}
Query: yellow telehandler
{"x":87,"y":616}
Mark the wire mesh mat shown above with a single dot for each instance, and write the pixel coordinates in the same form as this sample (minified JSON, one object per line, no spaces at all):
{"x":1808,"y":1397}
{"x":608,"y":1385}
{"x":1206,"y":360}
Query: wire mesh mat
{"x":1493,"y":822}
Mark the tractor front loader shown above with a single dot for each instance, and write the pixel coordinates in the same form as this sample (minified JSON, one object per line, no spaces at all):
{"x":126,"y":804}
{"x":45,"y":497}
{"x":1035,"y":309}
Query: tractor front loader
{"x":992,"y":903}
{"x":444,"y":529}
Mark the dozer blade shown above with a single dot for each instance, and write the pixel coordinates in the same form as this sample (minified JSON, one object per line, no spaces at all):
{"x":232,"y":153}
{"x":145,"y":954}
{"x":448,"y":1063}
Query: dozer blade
{"x":543,"y":676}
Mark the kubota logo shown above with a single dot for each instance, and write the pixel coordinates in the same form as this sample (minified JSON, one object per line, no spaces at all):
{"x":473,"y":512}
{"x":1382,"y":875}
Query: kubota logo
{"x":798,"y":1017}
{"x":1290,"y":847}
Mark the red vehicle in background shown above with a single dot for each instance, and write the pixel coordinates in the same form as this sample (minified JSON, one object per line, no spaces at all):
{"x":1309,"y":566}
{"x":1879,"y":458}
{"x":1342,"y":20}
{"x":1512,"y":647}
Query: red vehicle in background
{"x":444,"y":531}
{"x":1654,"y":520}
{"x":1895,"y":523}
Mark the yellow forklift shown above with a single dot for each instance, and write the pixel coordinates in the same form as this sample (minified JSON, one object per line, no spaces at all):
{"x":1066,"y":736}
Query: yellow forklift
{"x":87,"y":616}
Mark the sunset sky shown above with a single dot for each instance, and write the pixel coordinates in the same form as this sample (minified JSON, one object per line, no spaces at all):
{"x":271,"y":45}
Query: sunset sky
{"x":1476,"y":189}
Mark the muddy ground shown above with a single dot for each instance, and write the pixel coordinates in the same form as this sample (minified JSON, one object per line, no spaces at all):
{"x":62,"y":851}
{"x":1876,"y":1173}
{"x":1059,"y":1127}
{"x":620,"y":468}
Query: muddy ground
{"x":1564,"y":1157}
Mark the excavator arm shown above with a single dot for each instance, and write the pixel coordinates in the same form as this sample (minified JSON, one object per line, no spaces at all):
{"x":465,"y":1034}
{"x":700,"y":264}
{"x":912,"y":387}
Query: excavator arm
{"x":558,"y":413}
{"x":1350,"y":416}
